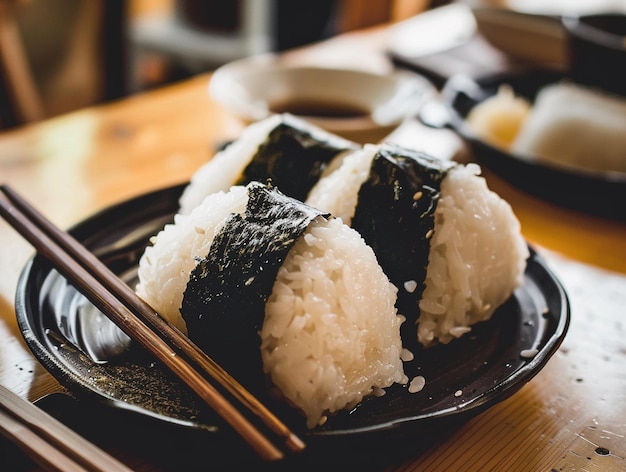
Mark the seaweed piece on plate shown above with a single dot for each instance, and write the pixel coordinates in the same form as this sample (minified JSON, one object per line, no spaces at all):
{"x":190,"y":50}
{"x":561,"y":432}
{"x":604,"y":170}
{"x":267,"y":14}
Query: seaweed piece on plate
{"x":294,"y":156}
{"x":395,"y":216}
{"x":229,"y":288}
{"x":283,"y":150}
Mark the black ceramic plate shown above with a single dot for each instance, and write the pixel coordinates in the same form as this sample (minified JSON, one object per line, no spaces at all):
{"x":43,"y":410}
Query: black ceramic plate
{"x":463,"y":378}
{"x":595,"y":193}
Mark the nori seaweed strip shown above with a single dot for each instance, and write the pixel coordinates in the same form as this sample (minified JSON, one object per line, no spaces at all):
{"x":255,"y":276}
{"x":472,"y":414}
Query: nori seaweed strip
{"x":224,"y":301}
{"x":293,"y":157}
{"x":395,"y":216}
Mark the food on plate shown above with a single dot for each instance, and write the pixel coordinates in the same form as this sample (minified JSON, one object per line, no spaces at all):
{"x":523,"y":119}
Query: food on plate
{"x":290,"y":152}
{"x":392,"y":251}
{"x":568,"y":124}
{"x":498,"y":118}
{"x":268,"y":285}
{"x":452,"y":247}
{"x":578,"y":126}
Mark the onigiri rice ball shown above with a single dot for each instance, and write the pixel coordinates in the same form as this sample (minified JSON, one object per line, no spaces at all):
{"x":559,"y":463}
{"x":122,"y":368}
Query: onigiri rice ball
{"x":287,"y":151}
{"x":328,"y":332}
{"x":474,"y":253}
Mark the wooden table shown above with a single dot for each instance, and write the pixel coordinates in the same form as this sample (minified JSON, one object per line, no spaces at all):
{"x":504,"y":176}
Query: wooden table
{"x":571,"y":416}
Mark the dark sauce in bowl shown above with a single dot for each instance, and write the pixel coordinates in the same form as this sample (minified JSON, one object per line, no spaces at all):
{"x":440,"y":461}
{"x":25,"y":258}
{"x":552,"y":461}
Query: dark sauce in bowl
{"x":330,"y":109}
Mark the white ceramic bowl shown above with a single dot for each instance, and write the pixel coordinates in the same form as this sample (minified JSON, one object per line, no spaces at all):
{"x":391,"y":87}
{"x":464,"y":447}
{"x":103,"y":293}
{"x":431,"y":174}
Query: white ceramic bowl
{"x":356,"y":104}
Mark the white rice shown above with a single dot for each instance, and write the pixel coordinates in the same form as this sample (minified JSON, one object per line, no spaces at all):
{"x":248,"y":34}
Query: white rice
{"x":417,"y":384}
{"x":225,"y":168}
{"x":337,"y":192}
{"x":477,"y":257}
{"x":165,"y":267}
{"x":331,"y":334}
{"x":575,"y":126}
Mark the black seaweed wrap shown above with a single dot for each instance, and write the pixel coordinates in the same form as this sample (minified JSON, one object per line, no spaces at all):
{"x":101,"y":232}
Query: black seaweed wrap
{"x":395,"y":217}
{"x":293,"y":158}
{"x":224,"y":301}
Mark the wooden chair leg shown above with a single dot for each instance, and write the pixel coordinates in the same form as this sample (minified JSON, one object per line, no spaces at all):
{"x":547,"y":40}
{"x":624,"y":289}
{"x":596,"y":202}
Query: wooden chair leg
{"x":15,"y":69}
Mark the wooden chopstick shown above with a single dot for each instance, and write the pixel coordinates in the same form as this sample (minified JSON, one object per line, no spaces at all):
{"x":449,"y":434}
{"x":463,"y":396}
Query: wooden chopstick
{"x":48,"y":442}
{"x":142,"y":323}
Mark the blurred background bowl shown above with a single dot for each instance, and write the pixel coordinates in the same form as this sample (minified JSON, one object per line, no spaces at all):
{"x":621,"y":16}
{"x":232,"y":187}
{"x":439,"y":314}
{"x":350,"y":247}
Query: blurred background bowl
{"x":592,"y":192}
{"x":596,"y":50}
{"x":523,"y":36}
{"x":359,"y":105}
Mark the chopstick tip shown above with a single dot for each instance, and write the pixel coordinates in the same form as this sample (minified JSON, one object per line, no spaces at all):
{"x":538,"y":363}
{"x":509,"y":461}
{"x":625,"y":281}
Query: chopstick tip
{"x":294,"y":443}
